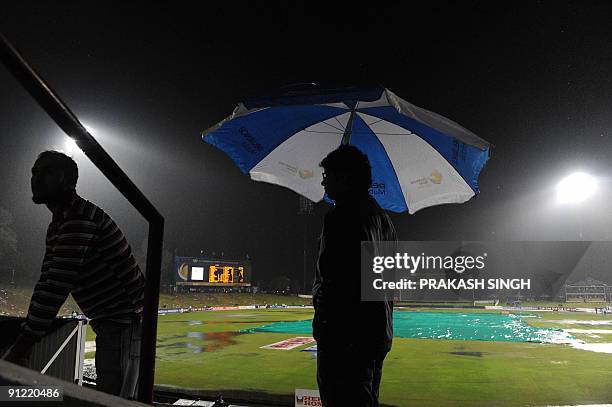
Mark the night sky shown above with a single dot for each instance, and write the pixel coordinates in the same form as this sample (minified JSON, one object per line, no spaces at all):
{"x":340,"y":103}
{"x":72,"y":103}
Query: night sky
{"x":533,"y":78}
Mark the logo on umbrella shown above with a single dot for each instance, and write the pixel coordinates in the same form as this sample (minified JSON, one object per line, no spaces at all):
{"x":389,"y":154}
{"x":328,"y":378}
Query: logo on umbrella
{"x":377,"y":188}
{"x":436,"y":177}
{"x":305,"y":174}
{"x":251,"y":145}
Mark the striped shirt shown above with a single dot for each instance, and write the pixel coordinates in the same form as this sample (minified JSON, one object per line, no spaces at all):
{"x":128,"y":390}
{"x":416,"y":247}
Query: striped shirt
{"x":86,"y":255}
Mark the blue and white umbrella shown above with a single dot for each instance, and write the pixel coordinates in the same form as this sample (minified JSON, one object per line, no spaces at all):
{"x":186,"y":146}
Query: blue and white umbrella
{"x":419,"y":158}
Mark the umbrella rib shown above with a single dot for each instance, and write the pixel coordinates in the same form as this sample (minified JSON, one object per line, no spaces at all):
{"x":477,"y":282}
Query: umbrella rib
{"x":377,"y":121}
{"x":394,"y":134}
{"x":341,"y":125}
{"x":320,"y":132}
{"x":334,"y":127}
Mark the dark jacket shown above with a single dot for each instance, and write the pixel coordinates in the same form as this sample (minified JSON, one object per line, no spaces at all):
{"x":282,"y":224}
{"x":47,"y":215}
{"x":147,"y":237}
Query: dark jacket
{"x":341,"y":318}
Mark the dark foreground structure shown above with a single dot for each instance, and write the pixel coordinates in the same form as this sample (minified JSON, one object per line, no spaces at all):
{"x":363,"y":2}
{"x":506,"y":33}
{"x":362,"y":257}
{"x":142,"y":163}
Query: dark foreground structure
{"x":73,"y":395}
{"x":68,"y":122}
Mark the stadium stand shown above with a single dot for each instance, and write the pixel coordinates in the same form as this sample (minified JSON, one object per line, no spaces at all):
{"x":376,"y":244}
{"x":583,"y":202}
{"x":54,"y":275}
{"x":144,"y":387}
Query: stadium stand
{"x":588,"y":290}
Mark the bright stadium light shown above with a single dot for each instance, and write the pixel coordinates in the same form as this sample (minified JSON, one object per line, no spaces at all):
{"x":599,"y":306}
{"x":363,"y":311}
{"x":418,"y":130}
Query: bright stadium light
{"x":70,"y":146}
{"x":576,"y":188}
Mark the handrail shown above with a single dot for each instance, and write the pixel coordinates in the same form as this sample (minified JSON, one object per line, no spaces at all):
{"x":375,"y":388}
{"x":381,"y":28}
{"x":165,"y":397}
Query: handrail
{"x":68,"y":122}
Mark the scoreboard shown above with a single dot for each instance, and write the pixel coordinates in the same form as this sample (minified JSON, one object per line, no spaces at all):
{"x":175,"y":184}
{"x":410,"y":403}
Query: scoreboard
{"x":197,"y":271}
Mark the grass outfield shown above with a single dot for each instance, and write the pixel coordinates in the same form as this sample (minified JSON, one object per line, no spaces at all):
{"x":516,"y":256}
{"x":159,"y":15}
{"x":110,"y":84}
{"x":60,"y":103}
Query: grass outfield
{"x":418,"y":372}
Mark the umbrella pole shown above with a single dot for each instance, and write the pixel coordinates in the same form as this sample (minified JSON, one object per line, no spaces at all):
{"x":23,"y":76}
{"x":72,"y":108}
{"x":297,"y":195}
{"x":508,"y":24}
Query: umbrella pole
{"x":349,"y":128}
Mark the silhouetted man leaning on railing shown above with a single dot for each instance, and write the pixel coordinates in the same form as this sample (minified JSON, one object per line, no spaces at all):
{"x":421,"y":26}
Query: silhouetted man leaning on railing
{"x":353,"y":336}
{"x":88,"y":256}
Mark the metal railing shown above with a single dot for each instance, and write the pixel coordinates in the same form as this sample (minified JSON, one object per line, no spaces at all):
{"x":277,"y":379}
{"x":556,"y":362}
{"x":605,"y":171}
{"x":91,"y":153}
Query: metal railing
{"x":68,"y":122}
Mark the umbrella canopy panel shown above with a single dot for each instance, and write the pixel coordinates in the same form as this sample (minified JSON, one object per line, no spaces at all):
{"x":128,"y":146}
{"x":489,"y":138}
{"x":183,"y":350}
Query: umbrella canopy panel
{"x":418,"y":158}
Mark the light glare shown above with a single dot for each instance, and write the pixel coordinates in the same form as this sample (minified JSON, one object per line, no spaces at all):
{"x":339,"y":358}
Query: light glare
{"x":576,"y":188}
{"x":70,"y":146}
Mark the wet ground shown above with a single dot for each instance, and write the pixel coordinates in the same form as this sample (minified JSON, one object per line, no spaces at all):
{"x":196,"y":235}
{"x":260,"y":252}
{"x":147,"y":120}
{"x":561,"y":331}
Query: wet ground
{"x":198,"y":342}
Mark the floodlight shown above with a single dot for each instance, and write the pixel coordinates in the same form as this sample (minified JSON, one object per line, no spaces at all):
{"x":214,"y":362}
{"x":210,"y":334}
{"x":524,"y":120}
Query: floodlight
{"x":576,"y":188}
{"x":70,"y":146}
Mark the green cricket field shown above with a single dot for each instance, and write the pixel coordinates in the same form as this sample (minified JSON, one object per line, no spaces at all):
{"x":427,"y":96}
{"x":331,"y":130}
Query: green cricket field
{"x":211,"y":351}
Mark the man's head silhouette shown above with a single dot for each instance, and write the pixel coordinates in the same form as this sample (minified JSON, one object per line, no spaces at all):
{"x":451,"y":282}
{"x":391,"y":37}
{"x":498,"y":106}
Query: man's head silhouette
{"x":346,"y":172}
{"x":54,"y":176}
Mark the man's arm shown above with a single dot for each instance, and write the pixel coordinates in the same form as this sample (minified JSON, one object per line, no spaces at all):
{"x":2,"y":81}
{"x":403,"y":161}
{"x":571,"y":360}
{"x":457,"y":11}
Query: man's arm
{"x":59,"y":274}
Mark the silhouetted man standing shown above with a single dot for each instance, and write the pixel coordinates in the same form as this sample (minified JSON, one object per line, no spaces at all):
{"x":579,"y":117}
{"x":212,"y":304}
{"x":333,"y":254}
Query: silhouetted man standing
{"x":353,"y":336}
{"x":88,"y":256}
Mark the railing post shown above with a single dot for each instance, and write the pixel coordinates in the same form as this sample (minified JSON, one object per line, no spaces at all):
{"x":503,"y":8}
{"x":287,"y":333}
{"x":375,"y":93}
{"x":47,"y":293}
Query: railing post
{"x":146,"y":379}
